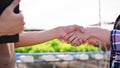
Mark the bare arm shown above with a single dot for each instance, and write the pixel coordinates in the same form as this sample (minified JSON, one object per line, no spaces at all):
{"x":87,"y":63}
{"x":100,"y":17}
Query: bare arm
{"x":99,"y":33}
{"x":76,"y":38}
{"x":31,"y":38}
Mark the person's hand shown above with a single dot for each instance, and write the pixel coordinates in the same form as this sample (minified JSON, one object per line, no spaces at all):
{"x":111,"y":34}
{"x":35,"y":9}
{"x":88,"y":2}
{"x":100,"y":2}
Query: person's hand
{"x":76,"y":38}
{"x":64,"y":30}
{"x":97,"y":43}
{"x":10,"y":22}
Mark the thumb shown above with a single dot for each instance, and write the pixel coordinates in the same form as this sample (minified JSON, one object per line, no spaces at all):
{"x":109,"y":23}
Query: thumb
{"x":14,"y":4}
{"x":72,"y":28}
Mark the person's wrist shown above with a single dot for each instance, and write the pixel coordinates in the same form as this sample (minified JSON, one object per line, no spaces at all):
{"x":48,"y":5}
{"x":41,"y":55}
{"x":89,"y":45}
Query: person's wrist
{"x":88,"y":33}
{"x":59,"y":32}
{"x":56,"y":32}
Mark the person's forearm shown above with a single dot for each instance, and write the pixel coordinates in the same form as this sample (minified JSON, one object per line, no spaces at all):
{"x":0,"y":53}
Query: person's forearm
{"x":100,"y":33}
{"x":39,"y":37}
{"x":31,"y":38}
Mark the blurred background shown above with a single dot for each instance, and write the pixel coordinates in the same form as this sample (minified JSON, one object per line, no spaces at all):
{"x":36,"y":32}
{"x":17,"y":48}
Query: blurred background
{"x":45,"y":14}
{"x":48,"y":14}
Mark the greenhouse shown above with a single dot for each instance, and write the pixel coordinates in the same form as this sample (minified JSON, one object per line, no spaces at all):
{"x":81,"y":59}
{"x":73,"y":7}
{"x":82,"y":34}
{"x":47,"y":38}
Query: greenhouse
{"x":59,"y":33}
{"x":57,"y":54}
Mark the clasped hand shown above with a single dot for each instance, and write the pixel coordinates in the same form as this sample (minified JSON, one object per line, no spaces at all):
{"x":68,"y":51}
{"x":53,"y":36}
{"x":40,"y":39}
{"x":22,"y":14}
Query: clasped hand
{"x":78,"y":37}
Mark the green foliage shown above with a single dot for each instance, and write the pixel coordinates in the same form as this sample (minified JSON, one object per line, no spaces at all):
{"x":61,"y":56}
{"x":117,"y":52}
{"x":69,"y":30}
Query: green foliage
{"x":56,"y":46}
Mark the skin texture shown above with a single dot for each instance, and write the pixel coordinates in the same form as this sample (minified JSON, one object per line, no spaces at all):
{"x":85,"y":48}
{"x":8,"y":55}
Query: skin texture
{"x":16,"y":25}
{"x":99,"y":34}
{"x":73,"y":34}
{"x":11,"y":23}
{"x":31,"y":38}
{"x":15,"y":21}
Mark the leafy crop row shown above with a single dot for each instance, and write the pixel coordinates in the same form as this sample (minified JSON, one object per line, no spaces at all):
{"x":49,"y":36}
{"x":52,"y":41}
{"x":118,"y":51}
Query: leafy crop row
{"x":56,"y":46}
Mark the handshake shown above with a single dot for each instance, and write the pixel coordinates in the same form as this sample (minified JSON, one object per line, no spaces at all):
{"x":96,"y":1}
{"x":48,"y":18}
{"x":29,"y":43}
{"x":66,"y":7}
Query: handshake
{"x":77,"y":35}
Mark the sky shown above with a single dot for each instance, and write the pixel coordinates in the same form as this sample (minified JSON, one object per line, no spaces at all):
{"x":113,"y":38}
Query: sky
{"x":47,"y":14}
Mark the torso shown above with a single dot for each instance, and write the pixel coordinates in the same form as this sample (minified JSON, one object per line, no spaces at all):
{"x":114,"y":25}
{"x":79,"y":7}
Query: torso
{"x":7,"y":55}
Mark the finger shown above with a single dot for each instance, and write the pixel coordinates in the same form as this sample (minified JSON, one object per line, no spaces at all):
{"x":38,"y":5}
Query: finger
{"x":74,"y":36}
{"x":81,"y":29}
{"x":71,"y":38}
{"x":15,"y":31}
{"x":19,"y":29}
{"x":84,"y":40}
{"x":75,"y":42}
{"x":68,"y":36}
{"x":13,"y":5}
{"x":62,"y":40}
{"x":80,"y":41}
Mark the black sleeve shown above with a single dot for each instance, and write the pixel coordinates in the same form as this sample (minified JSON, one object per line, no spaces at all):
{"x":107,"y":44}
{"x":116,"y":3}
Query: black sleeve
{"x":117,"y":23}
